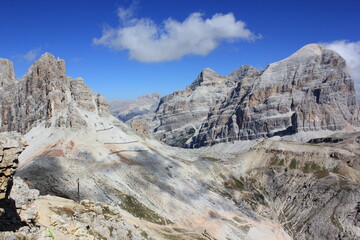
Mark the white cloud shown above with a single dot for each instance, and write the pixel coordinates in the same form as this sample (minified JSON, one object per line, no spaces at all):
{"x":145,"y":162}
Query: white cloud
{"x":350,"y":51}
{"x":31,"y":55}
{"x":148,"y":42}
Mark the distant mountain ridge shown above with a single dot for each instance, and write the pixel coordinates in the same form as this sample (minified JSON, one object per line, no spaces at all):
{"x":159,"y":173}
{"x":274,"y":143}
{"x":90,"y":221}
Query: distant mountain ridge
{"x":126,"y":110}
{"x":310,"y":91}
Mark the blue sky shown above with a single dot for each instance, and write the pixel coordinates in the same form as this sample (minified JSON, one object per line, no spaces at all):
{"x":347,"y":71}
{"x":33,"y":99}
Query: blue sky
{"x":189,"y":36}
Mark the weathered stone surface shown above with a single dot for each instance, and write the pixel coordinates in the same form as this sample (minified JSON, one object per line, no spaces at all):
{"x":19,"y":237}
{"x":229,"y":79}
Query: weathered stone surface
{"x":181,"y":113}
{"x":6,"y":72}
{"x":309,"y":91}
{"x":45,"y":93}
{"x":312,"y":190}
{"x":11,"y":144}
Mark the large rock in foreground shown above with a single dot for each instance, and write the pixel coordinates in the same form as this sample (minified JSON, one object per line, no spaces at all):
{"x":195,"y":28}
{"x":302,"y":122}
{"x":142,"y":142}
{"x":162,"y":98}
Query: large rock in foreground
{"x":11,"y":145}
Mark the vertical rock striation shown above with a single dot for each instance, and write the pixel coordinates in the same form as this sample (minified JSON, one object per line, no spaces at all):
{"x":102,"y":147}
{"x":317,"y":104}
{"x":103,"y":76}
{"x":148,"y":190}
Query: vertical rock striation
{"x":45,"y":93}
{"x":181,"y":113}
{"x":11,"y":145}
{"x":307,"y":92}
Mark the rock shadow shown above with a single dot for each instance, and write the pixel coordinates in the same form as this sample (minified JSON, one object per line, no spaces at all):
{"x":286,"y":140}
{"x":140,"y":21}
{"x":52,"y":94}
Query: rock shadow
{"x":9,"y":218}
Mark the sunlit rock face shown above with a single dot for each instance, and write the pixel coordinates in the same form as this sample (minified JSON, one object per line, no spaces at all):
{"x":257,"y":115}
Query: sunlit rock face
{"x":181,"y":113}
{"x":44,"y":93}
{"x":307,"y":92}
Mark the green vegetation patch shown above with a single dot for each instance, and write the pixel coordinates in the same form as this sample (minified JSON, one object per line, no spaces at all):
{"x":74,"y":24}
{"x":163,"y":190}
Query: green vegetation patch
{"x":276,"y":161}
{"x":311,"y":167}
{"x":144,"y":234}
{"x":136,"y":208}
{"x":220,"y":192}
{"x":184,"y":236}
{"x":245,"y":228}
{"x":239,"y":220}
{"x":321,"y":173}
{"x":179,"y":230}
{"x":212,"y":159}
{"x":191,"y":131}
{"x":293,"y":164}
{"x":129,"y":234}
{"x":234,"y":183}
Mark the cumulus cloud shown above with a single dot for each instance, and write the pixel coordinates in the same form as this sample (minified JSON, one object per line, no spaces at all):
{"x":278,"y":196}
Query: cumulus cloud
{"x":350,"y":51}
{"x":148,"y":42}
{"x":31,"y":55}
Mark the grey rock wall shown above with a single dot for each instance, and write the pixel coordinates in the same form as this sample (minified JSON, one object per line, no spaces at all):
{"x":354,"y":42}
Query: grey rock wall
{"x":11,"y":145}
{"x":45,"y":93}
{"x":181,"y":113}
{"x":307,"y":92}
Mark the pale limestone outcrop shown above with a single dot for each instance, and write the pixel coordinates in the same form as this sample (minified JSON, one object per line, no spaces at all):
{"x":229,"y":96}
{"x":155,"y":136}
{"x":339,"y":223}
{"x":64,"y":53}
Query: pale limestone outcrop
{"x":307,"y":92}
{"x":11,"y":145}
{"x":45,"y":93}
{"x":181,"y":113}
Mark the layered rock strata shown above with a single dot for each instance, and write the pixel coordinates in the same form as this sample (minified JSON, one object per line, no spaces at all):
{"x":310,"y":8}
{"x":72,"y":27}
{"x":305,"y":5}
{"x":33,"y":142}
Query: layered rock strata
{"x":307,"y":92}
{"x":181,"y":113}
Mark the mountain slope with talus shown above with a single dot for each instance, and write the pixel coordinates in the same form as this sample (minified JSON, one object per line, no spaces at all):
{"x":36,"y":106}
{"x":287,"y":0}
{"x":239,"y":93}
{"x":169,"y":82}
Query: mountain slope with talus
{"x":242,"y":190}
{"x":72,"y":136}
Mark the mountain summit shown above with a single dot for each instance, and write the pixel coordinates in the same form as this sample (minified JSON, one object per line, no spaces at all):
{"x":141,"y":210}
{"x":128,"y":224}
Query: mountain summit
{"x":310,"y":91}
{"x":45,"y":93}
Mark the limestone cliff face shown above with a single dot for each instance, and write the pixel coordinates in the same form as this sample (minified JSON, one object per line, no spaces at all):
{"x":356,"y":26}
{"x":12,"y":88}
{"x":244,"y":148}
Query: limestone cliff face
{"x":44,"y":93}
{"x":309,"y":91}
{"x":181,"y":113}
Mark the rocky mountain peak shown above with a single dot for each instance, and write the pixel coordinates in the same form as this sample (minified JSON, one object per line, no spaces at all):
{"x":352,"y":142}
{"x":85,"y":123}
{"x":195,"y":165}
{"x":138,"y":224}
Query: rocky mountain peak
{"x":310,"y":91}
{"x":49,"y":64}
{"x":45,"y":93}
{"x":309,"y":49}
{"x":244,"y":71}
{"x":206,"y":77}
